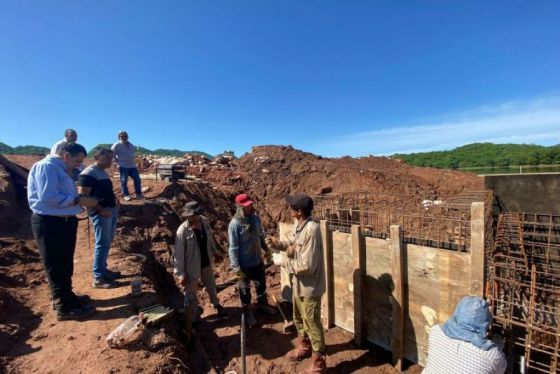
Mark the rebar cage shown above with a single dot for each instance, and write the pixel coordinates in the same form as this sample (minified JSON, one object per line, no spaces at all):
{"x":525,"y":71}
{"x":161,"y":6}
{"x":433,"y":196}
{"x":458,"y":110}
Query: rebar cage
{"x":524,"y":289}
{"x":436,"y":221}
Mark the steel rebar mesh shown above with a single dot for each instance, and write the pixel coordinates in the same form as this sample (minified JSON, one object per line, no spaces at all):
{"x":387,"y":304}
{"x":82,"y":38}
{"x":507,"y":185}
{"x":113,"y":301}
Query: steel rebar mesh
{"x":442,"y":222}
{"x":524,"y":289}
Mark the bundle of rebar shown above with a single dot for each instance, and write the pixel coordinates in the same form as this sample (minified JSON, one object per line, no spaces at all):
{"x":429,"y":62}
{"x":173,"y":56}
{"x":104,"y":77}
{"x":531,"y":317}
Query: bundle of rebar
{"x":524,"y":292}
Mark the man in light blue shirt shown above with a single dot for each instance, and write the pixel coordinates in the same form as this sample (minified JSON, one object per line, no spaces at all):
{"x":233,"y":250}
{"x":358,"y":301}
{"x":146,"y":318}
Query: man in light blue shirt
{"x":53,"y":199}
{"x":124,"y":155}
{"x":246,"y":238}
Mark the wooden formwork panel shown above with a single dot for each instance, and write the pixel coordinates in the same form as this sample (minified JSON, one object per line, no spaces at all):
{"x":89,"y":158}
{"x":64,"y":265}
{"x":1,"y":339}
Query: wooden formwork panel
{"x":285,"y":230}
{"x":343,"y":281}
{"x":436,"y":280}
{"x":378,"y":287}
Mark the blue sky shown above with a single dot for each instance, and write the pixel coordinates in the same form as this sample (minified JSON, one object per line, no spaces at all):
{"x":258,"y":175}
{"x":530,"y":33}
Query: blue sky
{"x":330,"y":77}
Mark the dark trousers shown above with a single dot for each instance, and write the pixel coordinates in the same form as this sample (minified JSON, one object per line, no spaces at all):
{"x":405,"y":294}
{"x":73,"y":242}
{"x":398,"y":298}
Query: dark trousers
{"x":132,"y":173}
{"x":257,"y":276}
{"x":56,"y":239}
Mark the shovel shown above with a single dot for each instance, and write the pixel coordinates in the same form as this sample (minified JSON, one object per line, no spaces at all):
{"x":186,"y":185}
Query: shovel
{"x":288,"y":326}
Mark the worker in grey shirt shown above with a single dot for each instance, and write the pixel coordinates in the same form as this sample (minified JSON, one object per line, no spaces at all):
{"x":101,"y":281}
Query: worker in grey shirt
{"x":124,"y":156}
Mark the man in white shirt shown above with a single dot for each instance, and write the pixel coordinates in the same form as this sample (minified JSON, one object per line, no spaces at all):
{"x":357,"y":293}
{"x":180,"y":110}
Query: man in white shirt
{"x":461,"y":344}
{"x":70,"y":136}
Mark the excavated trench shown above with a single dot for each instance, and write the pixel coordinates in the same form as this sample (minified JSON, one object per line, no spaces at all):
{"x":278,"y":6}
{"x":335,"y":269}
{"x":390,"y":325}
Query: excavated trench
{"x":148,"y":231}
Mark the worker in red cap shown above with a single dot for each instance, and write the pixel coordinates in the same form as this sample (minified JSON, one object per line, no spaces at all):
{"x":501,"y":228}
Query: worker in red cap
{"x":246,"y":239}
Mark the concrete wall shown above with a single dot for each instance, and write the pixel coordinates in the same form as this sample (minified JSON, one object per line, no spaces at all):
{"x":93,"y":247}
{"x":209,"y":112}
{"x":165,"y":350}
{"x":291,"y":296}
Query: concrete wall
{"x":528,"y":193}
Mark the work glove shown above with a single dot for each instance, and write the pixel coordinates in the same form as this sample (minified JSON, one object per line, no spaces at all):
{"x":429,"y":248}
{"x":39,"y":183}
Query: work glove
{"x":278,"y":259}
{"x":268,"y":256}
{"x":240,"y":274}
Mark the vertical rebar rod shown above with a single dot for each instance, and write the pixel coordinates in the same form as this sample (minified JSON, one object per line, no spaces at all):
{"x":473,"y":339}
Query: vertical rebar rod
{"x":243,"y":360}
{"x":532,"y":295}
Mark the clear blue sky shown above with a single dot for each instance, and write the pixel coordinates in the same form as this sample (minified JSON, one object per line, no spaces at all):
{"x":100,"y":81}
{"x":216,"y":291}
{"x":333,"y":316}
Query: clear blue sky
{"x":329,"y":77}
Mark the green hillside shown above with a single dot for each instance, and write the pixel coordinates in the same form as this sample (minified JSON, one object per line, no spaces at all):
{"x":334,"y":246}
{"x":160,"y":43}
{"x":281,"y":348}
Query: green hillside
{"x":23,"y":150}
{"x":162,"y":152}
{"x":485,"y":155}
{"x":33,"y":149}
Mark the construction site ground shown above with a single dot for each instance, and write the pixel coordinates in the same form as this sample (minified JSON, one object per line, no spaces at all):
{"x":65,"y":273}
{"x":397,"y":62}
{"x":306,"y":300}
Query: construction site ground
{"x":31,"y":340}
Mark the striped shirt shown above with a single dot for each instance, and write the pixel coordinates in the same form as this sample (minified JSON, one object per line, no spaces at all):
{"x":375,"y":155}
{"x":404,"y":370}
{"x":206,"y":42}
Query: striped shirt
{"x":446,"y":355}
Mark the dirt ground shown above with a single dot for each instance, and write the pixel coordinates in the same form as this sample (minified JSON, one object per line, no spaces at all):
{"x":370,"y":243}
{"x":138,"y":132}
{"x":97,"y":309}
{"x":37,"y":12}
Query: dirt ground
{"x":31,"y":340}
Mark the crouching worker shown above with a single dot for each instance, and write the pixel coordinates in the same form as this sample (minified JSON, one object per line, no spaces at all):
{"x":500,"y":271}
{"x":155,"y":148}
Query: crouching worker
{"x":193,"y":259}
{"x":303,"y":259}
{"x":461,"y":344}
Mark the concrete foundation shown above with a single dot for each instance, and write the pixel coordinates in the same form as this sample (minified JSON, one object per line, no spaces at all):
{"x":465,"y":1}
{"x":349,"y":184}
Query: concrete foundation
{"x":529,"y":193}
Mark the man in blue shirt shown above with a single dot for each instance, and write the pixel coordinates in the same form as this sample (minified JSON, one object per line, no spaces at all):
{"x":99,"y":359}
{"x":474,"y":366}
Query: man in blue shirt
{"x":54,"y":201}
{"x":246,"y":238}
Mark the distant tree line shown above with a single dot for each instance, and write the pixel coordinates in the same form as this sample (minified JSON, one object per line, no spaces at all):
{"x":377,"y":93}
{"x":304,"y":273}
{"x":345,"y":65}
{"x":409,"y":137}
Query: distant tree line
{"x":37,"y":150}
{"x":23,"y":150}
{"x":162,"y":152}
{"x":485,"y":155}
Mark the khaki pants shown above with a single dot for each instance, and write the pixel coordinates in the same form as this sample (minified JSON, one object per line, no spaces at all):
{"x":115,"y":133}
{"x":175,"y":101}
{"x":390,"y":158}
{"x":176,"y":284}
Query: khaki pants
{"x":307,"y":318}
{"x":207,"y":277}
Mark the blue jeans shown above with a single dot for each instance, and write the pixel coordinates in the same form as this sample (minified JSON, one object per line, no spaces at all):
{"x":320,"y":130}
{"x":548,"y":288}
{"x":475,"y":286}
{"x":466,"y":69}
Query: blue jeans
{"x":132,"y":173}
{"x":104,"y":228}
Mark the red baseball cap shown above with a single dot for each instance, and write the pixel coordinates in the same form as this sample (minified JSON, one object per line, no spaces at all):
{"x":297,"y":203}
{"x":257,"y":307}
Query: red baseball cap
{"x":243,"y":200}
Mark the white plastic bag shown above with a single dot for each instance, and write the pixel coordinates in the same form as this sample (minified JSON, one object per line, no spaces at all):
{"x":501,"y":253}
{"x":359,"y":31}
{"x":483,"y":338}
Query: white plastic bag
{"x":124,"y":333}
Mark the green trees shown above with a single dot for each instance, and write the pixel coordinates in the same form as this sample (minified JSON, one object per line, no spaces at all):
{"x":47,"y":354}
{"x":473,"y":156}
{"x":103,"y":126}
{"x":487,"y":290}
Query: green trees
{"x":485,"y":155}
{"x":36,"y":150}
{"x":23,"y":150}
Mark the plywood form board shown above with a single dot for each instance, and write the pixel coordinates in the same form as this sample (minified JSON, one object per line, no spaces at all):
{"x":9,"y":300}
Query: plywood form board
{"x":285,"y":285}
{"x":327,"y":301}
{"x":377,"y":292}
{"x":436,"y":280}
{"x":343,"y":281}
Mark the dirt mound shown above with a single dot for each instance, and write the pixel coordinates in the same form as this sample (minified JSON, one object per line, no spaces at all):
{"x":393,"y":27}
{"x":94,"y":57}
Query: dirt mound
{"x":268,"y":173}
{"x":9,"y":215}
{"x":30,"y":336}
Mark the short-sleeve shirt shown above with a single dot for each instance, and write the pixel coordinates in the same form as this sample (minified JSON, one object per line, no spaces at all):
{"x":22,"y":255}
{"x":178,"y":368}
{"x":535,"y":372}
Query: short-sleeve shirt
{"x":101,"y":186}
{"x":124,"y":154}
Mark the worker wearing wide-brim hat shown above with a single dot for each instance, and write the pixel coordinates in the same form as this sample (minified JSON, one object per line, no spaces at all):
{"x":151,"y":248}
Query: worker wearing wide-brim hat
{"x":193,"y":257}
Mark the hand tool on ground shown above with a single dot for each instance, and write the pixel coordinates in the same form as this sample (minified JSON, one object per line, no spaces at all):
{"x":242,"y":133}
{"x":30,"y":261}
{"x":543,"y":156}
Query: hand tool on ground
{"x":288,"y":326}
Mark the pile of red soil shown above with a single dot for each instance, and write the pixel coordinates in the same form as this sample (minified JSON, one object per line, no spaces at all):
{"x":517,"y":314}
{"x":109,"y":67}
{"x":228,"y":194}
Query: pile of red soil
{"x":268,"y":173}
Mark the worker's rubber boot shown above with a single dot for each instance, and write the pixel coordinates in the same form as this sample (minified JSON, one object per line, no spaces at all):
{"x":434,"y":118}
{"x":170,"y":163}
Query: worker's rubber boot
{"x":301,"y":351}
{"x":250,"y":320}
{"x":318,"y":364}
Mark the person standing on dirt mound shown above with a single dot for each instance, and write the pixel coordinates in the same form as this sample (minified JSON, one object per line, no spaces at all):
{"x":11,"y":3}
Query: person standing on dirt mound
{"x":95,"y":182}
{"x":54,"y":201}
{"x":303,"y":259}
{"x":124,"y":155}
{"x":70,"y":136}
{"x":193,"y":258}
{"x":246,"y":238}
